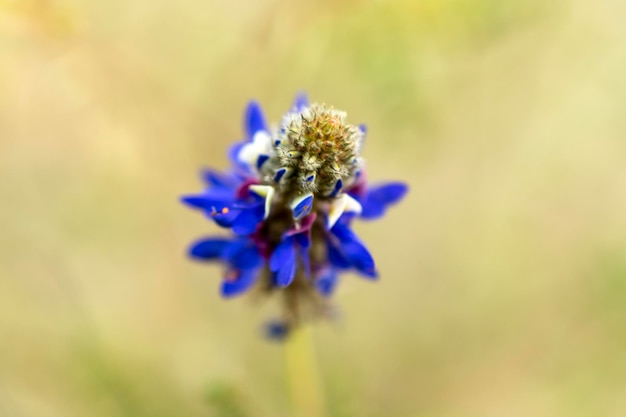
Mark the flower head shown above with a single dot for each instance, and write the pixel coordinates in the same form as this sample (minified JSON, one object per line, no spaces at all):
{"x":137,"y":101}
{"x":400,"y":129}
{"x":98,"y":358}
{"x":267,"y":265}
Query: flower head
{"x":289,"y":200}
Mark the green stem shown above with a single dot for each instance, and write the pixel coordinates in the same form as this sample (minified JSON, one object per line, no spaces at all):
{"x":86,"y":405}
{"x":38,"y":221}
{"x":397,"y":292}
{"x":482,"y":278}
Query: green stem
{"x":303,"y":375}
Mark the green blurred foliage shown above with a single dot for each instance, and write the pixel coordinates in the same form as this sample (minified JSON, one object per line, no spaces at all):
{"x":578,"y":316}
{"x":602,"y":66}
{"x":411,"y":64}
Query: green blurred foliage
{"x":503,"y":273}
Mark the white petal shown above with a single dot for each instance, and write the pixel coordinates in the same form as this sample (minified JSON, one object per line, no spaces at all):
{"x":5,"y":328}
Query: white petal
{"x":352,"y":205}
{"x":266,"y":191}
{"x":261,"y":145}
{"x":263,"y":141}
{"x":343,"y":204}
{"x":248,"y":154}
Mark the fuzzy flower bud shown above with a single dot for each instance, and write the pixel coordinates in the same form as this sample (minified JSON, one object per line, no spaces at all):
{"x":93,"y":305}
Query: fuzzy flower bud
{"x":319,"y":149}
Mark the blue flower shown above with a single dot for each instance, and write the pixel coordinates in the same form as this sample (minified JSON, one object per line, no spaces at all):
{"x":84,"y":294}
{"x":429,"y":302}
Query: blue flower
{"x":289,"y":200}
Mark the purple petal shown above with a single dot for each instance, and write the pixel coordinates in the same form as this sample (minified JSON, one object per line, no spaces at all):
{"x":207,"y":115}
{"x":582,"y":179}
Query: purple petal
{"x":244,"y":280}
{"x":304,"y":226}
{"x":255,"y":120}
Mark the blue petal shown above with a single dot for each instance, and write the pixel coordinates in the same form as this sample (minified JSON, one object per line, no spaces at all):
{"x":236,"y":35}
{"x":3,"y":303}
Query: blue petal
{"x":355,"y":252}
{"x":247,"y":258}
{"x":337,"y":188}
{"x":336,"y":257}
{"x":285,"y":274}
{"x":233,"y":156}
{"x":279,"y":174}
{"x":277,"y":330}
{"x":248,"y":220}
{"x":303,"y":207}
{"x":255,"y":120}
{"x":303,"y":239}
{"x":261,"y":160}
{"x":283,"y":253}
{"x":209,"y":249}
{"x":301,"y":101}
{"x":221,"y":179}
{"x":211,"y":200}
{"x":327,"y":282}
{"x":242,"y":253}
{"x":224,"y":219}
{"x":236,"y":246}
{"x":283,"y":262}
{"x":245,"y":279}
{"x":379,"y":197}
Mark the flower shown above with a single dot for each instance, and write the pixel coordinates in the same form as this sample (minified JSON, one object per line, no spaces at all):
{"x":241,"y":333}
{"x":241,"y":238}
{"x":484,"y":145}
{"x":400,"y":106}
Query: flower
{"x":289,"y":199}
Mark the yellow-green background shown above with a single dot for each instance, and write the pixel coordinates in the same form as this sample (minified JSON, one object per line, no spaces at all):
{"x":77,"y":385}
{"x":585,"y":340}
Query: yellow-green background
{"x":503,"y":273}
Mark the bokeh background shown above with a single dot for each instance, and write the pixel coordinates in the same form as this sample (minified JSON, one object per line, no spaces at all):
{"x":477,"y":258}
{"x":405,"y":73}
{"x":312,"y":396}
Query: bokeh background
{"x":503,"y":281}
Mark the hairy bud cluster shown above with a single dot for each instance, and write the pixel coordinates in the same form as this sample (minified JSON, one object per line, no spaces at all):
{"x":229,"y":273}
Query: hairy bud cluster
{"x":316,"y":152}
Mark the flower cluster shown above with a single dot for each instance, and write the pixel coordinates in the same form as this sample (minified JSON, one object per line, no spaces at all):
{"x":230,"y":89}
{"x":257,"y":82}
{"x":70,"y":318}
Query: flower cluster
{"x":289,"y":199}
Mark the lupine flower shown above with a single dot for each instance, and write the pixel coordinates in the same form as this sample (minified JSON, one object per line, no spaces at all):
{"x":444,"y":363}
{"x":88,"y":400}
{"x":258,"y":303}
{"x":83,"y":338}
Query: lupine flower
{"x":289,"y":200}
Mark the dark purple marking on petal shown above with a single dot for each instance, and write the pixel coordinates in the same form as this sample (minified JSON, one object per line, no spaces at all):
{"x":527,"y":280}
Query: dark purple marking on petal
{"x":242,"y":192}
{"x":304,"y":225}
{"x":337,"y":188}
{"x":279,"y":174}
{"x":261,"y":160}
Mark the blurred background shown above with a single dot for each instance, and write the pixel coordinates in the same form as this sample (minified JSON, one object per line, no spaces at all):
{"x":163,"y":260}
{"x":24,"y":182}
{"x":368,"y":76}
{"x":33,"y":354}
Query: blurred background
{"x":503,"y":273}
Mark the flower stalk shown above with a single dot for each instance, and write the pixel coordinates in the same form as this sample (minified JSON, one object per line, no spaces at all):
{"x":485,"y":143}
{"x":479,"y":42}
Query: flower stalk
{"x":304,"y":380}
